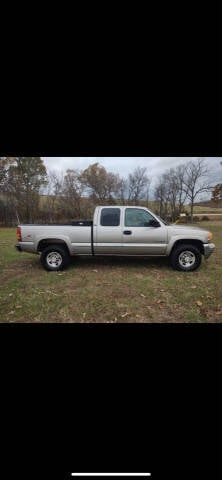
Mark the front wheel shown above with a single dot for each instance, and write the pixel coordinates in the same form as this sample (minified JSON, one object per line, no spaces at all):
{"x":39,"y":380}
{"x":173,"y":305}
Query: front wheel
{"x":186,"y":258}
{"x":54,"y":258}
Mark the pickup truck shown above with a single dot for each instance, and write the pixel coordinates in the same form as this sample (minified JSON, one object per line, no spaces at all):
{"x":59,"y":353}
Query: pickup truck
{"x":117,"y":230}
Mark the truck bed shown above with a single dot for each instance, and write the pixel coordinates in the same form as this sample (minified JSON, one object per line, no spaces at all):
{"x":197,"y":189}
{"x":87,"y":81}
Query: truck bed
{"x":77,"y":235}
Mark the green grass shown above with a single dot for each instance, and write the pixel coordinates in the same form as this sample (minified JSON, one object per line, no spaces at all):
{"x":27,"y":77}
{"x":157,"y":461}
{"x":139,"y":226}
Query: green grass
{"x":109,"y":289}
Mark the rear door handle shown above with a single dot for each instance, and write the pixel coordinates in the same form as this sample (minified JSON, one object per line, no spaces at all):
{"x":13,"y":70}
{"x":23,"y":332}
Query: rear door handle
{"x":127,"y":232}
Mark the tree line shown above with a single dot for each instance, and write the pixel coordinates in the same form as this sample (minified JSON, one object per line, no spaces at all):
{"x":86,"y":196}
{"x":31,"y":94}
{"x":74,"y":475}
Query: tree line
{"x":31,"y":194}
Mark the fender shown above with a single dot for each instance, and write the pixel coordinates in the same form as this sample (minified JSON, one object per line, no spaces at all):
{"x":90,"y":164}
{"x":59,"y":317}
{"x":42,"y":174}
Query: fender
{"x":53,"y":239}
{"x":180,"y":238}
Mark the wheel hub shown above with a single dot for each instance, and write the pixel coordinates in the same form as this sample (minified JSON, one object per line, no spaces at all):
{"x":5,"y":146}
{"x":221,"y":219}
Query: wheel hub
{"x":54,"y":259}
{"x":187,"y":259}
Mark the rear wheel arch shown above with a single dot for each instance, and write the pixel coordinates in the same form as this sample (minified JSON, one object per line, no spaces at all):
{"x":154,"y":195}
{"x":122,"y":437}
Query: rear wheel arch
{"x":47,"y":242}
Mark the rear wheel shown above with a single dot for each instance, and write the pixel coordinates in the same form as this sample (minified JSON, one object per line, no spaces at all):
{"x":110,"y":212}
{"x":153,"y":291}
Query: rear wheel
{"x":55,"y":257}
{"x":186,"y":258}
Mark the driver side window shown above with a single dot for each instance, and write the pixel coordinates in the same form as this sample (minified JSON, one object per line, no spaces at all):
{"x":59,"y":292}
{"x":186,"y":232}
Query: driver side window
{"x":136,"y":217}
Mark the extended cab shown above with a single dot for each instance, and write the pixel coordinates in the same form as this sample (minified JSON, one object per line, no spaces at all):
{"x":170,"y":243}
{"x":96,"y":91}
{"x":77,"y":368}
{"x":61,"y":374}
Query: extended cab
{"x":117,"y":230}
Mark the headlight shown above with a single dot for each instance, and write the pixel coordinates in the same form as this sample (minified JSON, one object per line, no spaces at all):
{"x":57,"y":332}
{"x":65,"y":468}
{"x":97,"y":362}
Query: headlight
{"x":209,"y":236}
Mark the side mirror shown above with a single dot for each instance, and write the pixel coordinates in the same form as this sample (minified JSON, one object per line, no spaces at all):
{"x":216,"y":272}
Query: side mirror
{"x":154,"y":223}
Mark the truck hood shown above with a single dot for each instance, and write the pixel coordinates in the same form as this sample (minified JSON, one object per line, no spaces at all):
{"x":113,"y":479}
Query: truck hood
{"x":181,"y":230}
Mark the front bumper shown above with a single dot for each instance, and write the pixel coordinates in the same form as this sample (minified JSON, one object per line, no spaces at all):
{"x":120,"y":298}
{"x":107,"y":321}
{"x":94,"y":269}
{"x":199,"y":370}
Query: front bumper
{"x":208,"y":249}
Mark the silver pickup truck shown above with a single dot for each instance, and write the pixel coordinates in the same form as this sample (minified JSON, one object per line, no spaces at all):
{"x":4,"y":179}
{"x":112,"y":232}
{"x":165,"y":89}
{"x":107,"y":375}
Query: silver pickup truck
{"x":117,"y":230}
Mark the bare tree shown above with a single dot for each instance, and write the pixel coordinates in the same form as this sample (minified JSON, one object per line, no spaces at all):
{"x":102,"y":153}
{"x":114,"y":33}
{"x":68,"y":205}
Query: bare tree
{"x":196,"y":181}
{"x":138,"y":183}
{"x":51,"y":194}
{"x":123,"y":187}
{"x":161,"y":196}
{"x":170,"y":183}
{"x":169,"y":192}
{"x":174,"y":187}
{"x":72,"y":193}
{"x":149,"y":180}
{"x":180,"y":172}
{"x":55,"y":182}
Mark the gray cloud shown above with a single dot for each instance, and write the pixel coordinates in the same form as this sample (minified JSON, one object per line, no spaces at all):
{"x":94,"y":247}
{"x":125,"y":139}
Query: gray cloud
{"x":125,"y":165}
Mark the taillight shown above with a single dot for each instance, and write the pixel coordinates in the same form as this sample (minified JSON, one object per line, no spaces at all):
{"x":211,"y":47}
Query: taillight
{"x":19,"y":234}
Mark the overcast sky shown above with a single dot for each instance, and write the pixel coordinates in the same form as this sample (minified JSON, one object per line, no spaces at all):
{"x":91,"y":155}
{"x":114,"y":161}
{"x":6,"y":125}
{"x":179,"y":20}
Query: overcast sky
{"x":125,"y":165}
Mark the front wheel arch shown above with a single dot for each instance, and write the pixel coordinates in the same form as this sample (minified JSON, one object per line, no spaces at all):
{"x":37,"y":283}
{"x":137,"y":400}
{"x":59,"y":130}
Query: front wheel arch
{"x":187,"y":241}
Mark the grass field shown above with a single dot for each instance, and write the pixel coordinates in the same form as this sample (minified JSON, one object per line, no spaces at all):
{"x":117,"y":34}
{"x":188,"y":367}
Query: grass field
{"x":203,"y":209}
{"x":108,"y":289}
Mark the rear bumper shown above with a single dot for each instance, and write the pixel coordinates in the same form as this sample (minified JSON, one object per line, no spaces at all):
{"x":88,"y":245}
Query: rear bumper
{"x":208,"y":249}
{"x":28,"y":247}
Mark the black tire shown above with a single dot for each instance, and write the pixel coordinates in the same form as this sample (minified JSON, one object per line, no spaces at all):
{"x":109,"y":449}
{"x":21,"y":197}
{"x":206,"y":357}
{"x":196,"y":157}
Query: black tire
{"x":186,"y":258}
{"x":54,"y":258}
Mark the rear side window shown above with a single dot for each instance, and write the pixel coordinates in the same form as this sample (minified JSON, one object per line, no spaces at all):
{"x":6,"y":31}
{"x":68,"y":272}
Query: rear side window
{"x":110,"y":217}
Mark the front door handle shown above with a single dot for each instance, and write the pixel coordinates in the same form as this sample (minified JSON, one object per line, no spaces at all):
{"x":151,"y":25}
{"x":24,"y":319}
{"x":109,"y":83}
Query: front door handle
{"x":127,"y":232}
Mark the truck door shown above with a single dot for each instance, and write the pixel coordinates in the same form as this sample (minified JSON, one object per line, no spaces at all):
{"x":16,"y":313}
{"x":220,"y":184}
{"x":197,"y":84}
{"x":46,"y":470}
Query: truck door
{"x":139,"y":237}
{"x":108,"y":232}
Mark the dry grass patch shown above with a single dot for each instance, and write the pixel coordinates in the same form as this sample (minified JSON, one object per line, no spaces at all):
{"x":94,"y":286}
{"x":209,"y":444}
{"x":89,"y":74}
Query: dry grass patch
{"x":108,"y":289}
